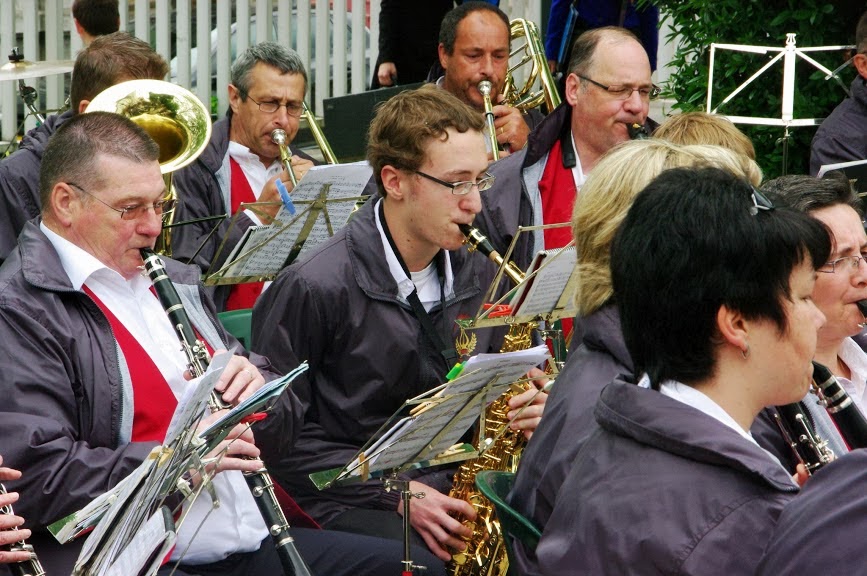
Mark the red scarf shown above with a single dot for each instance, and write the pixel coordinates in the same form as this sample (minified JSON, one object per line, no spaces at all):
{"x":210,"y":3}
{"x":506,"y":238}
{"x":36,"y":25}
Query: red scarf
{"x":242,"y":296}
{"x":153,"y":400}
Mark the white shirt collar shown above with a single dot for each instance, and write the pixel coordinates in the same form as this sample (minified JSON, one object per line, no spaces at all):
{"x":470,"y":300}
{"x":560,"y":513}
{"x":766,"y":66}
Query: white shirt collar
{"x":577,"y":172}
{"x":700,"y":401}
{"x":405,"y":285}
{"x":78,"y":264}
{"x":856,"y":359}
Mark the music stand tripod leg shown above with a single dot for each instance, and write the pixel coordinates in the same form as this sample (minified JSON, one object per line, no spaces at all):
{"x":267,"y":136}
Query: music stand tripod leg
{"x":406,"y":495}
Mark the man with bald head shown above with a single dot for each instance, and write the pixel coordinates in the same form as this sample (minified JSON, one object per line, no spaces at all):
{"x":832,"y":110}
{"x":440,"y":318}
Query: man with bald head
{"x":608,"y":89}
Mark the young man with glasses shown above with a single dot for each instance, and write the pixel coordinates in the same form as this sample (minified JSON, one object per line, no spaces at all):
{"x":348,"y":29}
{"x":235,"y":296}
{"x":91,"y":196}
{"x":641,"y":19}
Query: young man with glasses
{"x":242,"y":163}
{"x":373,"y":312}
{"x":608,"y":90}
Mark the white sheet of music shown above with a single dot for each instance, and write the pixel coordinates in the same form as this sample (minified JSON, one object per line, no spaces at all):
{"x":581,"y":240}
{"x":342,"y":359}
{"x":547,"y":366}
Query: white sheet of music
{"x":452,"y":408}
{"x":339,"y":184}
{"x":147,"y":548}
{"x":544,"y":290}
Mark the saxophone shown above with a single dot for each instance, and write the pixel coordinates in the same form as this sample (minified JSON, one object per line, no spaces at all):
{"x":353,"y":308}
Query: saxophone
{"x":486,"y":551}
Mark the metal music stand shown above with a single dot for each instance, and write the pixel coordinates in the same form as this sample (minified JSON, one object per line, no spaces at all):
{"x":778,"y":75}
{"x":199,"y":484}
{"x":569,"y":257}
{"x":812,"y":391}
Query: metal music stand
{"x":322,"y":204}
{"x":425,"y":432}
{"x":789,"y":55}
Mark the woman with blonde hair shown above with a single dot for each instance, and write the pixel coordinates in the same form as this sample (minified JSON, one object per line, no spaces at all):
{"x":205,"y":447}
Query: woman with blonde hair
{"x":599,"y":353}
{"x":704,"y":128}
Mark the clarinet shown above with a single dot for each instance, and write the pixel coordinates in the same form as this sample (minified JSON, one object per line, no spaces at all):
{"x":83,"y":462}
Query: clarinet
{"x":259,"y":482}
{"x":846,"y":416}
{"x":637,"y":132}
{"x":30,"y":567}
{"x":810,"y":450}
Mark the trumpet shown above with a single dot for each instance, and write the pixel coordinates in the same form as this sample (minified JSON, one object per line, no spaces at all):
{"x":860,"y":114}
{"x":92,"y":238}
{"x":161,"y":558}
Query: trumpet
{"x":260,"y":483}
{"x":278,"y":136}
{"x":30,"y":567}
{"x":485,"y":88}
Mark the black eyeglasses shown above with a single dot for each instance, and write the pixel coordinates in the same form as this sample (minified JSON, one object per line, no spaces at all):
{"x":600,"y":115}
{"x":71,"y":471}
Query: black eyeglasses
{"x":760,"y":202}
{"x":462,"y":188}
{"x":624,"y":92}
{"x":294,"y":110}
{"x":135,"y":211}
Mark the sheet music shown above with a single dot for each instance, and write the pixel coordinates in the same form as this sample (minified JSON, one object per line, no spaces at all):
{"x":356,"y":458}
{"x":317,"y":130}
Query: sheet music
{"x":554,"y":267}
{"x":454,"y":408}
{"x":510,"y":366}
{"x":191,"y":406}
{"x":149,"y":546}
{"x":77,"y":523}
{"x":324,"y":200}
{"x":268,"y":392}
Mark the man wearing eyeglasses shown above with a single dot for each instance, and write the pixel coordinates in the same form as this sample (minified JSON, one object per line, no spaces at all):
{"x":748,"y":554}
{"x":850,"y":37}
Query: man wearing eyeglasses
{"x":93,"y":369}
{"x":241,"y":163}
{"x":373,"y":312}
{"x":608,"y":90}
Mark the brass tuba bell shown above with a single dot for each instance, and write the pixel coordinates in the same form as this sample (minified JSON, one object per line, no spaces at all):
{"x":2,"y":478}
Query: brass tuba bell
{"x":176,"y":120}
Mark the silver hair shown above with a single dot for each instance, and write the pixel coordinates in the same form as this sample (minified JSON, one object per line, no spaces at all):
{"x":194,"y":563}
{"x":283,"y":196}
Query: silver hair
{"x":284,"y":59}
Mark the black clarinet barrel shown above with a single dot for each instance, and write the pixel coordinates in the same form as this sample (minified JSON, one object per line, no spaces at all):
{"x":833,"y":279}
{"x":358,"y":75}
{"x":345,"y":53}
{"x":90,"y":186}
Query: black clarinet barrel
{"x":843,"y":411}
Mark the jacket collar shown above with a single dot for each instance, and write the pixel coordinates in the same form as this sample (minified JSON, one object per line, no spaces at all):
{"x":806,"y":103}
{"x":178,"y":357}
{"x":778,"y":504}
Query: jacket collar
{"x":602,"y":331}
{"x":369,"y":266}
{"x":649,"y":418}
{"x":541,"y":139}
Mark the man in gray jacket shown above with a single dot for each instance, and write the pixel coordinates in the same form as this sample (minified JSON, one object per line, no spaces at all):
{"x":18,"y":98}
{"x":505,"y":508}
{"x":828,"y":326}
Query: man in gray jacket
{"x":93,"y":368}
{"x":607,"y":90}
{"x":373,"y":312}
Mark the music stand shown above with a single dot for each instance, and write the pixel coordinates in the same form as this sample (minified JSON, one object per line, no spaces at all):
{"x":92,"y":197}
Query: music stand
{"x":545,"y":295}
{"x":321,"y":204}
{"x":426,"y":429}
{"x":789,"y":55}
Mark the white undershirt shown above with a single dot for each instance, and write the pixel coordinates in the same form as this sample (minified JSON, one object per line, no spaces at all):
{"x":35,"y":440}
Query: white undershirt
{"x":236,"y":526}
{"x":426,"y":282}
{"x":257,"y":173}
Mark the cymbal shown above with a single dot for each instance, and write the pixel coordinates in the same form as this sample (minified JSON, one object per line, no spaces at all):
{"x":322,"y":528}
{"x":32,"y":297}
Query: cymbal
{"x":25,"y":69}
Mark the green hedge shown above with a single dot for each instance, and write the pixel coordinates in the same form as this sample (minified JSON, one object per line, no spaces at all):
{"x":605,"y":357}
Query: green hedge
{"x":698,"y":23}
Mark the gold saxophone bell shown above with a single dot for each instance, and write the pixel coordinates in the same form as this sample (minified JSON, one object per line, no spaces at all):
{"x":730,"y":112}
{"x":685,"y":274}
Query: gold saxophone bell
{"x":176,"y":120}
{"x":525,"y":98}
{"x":485,"y":88}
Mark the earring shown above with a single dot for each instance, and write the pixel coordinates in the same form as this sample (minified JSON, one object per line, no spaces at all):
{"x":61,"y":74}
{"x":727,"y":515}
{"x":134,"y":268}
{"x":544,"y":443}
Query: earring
{"x":745,"y":352}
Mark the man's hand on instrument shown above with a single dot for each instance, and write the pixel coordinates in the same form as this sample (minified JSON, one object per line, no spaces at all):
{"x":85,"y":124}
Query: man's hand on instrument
{"x":236,"y":452}
{"x":240,"y":379}
{"x":386,"y":73}
{"x":512,"y":130}
{"x":528,"y":419}
{"x":430,"y":516}
{"x":8,"y":522}
{"x":300,"y":166}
